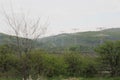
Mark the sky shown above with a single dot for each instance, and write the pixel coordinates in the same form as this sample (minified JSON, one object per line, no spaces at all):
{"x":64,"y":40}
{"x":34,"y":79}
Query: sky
{"x":66,"y":16}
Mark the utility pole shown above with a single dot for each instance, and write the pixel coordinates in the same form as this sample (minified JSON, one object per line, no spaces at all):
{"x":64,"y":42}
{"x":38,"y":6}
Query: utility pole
{"x":62,"y":39}
{"x":101,"y":34}
{"x":75,"y":38}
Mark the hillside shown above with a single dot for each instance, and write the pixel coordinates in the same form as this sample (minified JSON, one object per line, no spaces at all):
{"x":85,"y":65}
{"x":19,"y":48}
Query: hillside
{"x":4,"y":38}
{"x":81,"y":41}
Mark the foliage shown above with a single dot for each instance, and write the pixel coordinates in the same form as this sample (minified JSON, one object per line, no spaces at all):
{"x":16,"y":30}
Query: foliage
{"x":68,"y":64}
{"x":8,"y":65}
{"x":89,"y":67}
{"x":74,"y":62}
{"x":84,"y":41}
{"x":39,"y":62}
{"x":110,"y":56}
{"x":47,"y":64}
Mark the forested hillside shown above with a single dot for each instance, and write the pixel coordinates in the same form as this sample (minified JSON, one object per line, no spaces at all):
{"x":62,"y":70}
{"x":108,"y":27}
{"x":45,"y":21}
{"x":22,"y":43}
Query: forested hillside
{"x":81,"y":41}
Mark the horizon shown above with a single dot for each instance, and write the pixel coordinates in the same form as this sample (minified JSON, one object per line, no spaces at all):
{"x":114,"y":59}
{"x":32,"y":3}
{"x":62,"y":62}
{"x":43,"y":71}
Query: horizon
{"x":44,"y":36}
{"x":67,"y":16}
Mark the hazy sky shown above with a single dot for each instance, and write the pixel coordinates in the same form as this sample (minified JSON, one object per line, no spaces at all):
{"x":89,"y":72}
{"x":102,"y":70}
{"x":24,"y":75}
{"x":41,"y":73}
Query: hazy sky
{"x":64,"y":15}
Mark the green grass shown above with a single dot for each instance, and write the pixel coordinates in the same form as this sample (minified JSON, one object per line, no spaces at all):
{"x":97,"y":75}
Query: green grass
{"x":101,"y":79}
{"x":117,"y":78}
{"x":9,"y":78}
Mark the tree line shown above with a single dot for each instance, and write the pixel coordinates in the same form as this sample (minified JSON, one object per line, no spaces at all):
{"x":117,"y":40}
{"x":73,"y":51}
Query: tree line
{"x":39,"y":62}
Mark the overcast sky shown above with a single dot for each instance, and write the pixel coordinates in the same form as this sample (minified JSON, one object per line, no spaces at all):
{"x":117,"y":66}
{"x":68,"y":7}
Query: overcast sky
{"x":65,"y":15}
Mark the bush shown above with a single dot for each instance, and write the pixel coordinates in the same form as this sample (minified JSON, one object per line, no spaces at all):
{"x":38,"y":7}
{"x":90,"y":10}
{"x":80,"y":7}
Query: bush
{"x":74,"y":62}
{"x":54,"y":65}
{"x":45,"y":64}
{"x":89,"y":67}
{"x":8,"y":65}
{"x":41,"y":63}
{"x":110,"y":56}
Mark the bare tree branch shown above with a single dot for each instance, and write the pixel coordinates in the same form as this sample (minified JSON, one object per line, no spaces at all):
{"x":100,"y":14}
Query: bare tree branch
{"x":26,"y":31}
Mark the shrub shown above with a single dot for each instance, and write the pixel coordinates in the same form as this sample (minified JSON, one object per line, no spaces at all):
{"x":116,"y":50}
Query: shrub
{"x":74,"y":62}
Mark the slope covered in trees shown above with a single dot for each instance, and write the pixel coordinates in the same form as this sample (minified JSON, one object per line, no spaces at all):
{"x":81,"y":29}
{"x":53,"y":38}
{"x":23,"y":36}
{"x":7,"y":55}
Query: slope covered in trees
{"x":81,"y":41}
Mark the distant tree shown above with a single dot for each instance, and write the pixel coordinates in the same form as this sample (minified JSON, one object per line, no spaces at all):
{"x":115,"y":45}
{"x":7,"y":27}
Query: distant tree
{"x":73,"y":48}
{"x":110,"y":56}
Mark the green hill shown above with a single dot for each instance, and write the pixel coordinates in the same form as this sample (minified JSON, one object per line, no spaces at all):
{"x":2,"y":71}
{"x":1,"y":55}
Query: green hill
{"x":4,"y":38}
{"x":81,"y":41}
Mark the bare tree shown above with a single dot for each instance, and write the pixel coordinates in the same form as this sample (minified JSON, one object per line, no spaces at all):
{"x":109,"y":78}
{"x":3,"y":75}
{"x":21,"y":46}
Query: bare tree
{"x":26,"y":30}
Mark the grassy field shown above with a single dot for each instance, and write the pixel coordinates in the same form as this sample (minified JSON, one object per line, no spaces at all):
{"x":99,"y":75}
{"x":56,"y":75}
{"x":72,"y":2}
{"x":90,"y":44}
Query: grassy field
{"x":117,"y":78}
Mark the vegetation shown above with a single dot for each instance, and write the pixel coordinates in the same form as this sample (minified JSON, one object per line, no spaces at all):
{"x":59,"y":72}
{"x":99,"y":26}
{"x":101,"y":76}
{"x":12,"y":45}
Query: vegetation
{"x":68,"y":64}
{"x":25,"y":56}
{"x":81,"y":41}
{"x":110,"y":56}
{"x":42,"y":63}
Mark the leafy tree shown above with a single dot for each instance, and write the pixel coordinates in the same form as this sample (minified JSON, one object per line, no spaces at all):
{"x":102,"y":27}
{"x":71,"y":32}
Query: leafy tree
{"x":54,"y":65}
{"x":6,"y":49}
{"x":74,"y":62}
{"x":89,"y":67}
{"x":8,"y":65}
{"x":110,"y":56}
